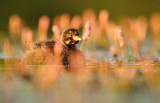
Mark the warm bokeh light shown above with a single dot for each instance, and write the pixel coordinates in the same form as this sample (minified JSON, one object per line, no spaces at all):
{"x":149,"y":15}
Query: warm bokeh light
{"x":64,"y":21}
{"x":58,"y":48}
{"x":56,"y":32}
{"x":43,"y":26}
{"x":15,"y":26}
{"x":155,"y":24}
{"x":6,"y":47}
{"x":103,"y":19}
{"x":76,"y":22}
{"x":26,"y":37}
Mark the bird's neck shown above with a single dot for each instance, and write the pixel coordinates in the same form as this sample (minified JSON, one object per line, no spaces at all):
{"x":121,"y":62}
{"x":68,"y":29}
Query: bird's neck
{"x":71,"y":46}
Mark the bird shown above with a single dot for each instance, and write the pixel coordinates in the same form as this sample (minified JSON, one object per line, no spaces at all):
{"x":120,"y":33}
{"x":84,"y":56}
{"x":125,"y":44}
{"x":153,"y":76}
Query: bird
{"x":42,"y":52}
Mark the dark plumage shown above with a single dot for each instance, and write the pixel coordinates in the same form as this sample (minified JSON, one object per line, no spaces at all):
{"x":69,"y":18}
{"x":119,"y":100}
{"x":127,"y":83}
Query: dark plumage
{"x":42,"y":52}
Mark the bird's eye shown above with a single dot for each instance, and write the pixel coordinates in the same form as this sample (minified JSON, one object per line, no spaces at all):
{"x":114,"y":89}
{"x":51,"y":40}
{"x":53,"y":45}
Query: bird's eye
{"x":76,"y":33}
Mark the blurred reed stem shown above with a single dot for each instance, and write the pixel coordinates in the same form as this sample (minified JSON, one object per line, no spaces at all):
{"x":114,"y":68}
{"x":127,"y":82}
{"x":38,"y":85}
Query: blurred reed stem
{"x":83,"y":42}
{"x":123,"y":53}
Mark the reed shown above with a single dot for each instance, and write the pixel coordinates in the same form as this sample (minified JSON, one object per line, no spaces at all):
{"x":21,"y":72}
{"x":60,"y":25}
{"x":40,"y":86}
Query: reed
{"x":86,"y":35}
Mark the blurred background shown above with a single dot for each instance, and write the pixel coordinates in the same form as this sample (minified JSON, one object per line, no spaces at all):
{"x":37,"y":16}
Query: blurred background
{"x":122,"y":53}
{"x":31,"y":10}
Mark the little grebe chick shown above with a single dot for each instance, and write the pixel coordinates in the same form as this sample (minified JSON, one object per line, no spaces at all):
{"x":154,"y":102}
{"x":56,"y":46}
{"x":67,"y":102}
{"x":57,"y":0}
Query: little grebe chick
{"x":42,"y":52}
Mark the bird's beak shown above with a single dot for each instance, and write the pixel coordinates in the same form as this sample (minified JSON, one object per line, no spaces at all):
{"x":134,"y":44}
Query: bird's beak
{"x":76,"y":38}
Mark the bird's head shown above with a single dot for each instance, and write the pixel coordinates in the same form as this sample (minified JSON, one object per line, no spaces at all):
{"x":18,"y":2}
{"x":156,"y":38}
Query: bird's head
{"x":70,"y":37}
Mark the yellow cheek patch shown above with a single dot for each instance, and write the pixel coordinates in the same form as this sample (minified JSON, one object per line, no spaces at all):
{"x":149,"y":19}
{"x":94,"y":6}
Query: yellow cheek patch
{"x":68,"y":41}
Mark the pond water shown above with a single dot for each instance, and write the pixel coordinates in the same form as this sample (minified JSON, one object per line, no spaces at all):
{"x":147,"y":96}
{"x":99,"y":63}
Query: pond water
{"x":103,"y":80}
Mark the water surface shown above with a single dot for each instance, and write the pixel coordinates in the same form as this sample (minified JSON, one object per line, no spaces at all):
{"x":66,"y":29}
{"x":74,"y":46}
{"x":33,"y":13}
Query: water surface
{"x":101,"y":81}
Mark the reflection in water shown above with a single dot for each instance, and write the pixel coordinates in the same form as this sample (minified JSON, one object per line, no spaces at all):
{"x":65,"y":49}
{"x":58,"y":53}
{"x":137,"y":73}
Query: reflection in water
{"x":105,"y":81}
